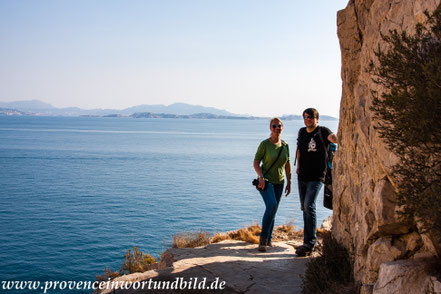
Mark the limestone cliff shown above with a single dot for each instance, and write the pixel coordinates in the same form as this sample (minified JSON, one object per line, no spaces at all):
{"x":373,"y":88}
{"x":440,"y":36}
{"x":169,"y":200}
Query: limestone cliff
{"x":365,"y":218}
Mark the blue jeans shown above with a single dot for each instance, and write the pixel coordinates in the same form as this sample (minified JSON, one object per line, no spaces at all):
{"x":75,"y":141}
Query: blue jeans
{"x":308,"y":192}
{"x":271,"y":196}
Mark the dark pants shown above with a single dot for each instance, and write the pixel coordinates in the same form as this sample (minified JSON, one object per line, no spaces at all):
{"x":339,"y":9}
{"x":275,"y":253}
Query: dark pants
{"x":308,"y":192}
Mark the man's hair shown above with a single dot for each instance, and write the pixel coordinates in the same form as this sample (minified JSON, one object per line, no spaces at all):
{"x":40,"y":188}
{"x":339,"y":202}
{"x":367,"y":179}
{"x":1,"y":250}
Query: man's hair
{"x":311,"y":112}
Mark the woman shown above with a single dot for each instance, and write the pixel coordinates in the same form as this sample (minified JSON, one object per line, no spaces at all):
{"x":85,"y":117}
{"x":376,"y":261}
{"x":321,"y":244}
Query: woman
{"x":274,"y":155}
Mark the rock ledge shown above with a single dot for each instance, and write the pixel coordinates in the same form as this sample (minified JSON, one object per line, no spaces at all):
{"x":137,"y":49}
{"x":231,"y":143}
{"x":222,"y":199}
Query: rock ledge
{"x":239,"y":264}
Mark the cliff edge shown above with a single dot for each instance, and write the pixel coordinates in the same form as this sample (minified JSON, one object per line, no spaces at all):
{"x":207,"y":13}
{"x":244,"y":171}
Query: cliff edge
{"x":226,"y":267}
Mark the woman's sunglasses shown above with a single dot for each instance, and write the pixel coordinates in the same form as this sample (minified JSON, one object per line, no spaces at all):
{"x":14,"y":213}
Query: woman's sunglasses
{"x":277,"y":126}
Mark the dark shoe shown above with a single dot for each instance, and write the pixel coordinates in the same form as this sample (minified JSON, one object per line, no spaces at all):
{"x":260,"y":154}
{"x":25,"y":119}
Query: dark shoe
{"x":269,"y":243}
{"x":304,"y":246}
{"x":262,"y":245}
{"x":304,"y":251}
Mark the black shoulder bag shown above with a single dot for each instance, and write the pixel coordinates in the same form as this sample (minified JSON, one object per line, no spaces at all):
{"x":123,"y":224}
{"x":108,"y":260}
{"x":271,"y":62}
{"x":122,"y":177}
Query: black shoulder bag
{"x":256,"y":181}
{"x":327,"y":194}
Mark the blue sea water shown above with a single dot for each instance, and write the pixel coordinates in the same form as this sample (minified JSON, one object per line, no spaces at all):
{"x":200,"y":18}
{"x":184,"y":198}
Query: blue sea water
{"x":76,"y":193}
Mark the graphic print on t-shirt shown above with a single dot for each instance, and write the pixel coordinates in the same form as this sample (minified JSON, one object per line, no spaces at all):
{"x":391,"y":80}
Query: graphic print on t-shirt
{"x":311,"y":145}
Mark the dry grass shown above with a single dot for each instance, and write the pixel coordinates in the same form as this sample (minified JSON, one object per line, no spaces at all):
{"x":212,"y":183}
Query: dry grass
{"x":285,"y":228}
{"x":190,"y":239}
{"x":286,"y":233}
{"x":321,"y":232}
{"x":249,"y":234}
{"x":220,"y":237}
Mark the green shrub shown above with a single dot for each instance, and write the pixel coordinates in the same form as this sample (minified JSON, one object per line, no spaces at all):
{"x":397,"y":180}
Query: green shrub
{"x":408,"y":115}
{"x":330,"y":272}
{"x":136,"y":261}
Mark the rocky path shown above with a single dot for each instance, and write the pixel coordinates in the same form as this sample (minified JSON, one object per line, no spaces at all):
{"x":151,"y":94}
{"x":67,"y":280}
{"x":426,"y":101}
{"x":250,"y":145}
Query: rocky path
{"x":238,"y":264}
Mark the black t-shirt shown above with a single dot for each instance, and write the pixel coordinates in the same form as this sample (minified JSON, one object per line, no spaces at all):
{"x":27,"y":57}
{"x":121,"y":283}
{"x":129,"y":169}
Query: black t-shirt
{"x":312,"y":160}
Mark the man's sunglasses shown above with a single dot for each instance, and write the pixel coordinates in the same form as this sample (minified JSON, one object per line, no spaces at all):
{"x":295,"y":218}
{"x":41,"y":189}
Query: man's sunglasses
{"x":309,"y":117}
{"x":276,"y":126}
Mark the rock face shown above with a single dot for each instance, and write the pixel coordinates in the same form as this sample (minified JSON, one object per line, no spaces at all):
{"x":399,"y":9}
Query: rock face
{"x":365,"y":219}
{"x":406,"y":274}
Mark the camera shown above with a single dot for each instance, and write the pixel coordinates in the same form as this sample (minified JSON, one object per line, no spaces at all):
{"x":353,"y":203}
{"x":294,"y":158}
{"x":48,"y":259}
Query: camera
{"x":256,"y":183}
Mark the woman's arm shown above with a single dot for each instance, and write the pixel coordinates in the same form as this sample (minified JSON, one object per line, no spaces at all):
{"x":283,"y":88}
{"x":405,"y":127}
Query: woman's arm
{"x":258,"y":170}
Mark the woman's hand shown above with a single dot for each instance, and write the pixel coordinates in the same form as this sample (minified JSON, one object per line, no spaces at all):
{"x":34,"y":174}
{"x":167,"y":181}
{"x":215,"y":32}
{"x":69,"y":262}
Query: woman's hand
{"x":288,"y":188}
{"x":261,"y":183}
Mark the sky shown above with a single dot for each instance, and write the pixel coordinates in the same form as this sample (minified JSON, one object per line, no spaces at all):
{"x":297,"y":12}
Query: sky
{"x":263,"y":58}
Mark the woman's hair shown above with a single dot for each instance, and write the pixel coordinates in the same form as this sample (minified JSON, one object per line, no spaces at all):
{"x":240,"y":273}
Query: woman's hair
{"x":275,"y":119}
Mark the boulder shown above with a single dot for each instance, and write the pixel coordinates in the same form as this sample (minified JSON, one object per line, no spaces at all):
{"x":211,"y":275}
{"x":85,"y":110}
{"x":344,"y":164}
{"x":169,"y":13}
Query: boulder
{"x":409,"y":276}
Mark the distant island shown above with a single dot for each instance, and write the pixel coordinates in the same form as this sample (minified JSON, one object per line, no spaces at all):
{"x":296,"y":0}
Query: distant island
{"x":176,"y":110}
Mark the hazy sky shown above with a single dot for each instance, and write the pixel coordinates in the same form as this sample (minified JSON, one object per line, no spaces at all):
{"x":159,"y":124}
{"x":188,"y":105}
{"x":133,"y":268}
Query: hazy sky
{"x":246,"y":56}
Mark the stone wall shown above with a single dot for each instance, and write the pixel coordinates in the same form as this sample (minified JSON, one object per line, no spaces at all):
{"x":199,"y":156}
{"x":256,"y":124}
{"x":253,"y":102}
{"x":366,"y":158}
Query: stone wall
{"x":365,"y":218}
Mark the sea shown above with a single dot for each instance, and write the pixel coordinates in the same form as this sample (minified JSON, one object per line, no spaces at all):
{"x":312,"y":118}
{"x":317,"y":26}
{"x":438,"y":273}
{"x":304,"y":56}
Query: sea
{"x":77,"y":192}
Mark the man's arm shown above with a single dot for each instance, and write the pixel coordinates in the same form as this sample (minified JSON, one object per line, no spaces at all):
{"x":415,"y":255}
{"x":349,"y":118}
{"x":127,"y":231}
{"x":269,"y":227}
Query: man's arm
{"x":333,"y":138}
{"x":298,"y":165}
{"x":288,"y":178}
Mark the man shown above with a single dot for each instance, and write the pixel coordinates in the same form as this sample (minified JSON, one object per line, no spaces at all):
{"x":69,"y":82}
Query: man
{"x":312,"y":148}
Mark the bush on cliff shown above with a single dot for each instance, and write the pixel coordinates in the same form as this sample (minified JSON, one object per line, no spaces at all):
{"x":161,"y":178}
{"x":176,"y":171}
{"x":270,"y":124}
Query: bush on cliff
{"x":408,"y":114}
{"x":134,"y":261}
{"x":330,"y":272}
